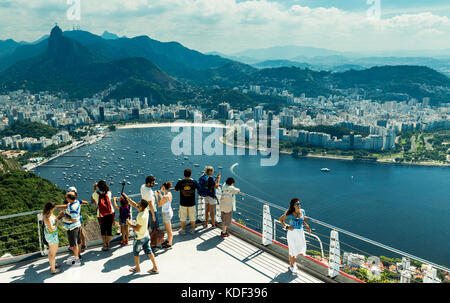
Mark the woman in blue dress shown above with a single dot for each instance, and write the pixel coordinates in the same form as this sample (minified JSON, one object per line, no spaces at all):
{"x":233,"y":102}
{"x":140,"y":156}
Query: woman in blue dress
{"x":293,"y":221}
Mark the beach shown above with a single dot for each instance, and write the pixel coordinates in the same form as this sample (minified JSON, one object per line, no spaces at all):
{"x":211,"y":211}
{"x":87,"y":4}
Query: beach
{"x":169,"y":124}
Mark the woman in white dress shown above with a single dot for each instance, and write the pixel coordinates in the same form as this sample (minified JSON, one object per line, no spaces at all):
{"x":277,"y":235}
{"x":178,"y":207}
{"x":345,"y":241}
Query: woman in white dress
{"x":293,"y":221}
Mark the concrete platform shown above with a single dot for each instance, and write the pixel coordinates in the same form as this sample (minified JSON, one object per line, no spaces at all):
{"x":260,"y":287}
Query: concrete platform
{"x":204,"y":257}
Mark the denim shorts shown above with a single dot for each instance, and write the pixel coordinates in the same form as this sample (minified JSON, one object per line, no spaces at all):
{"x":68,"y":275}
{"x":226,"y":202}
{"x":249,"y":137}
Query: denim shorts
{"x":142,"y":244}
{"x":51,"y":238}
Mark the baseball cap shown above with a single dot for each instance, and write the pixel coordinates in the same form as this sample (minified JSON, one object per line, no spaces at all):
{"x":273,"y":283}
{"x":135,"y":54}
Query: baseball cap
{"x":73,"y":188}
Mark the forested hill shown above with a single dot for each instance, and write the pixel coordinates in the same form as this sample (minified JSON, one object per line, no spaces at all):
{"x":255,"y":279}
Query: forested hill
{"x":30,"y":129}
{"x":21,"y":191}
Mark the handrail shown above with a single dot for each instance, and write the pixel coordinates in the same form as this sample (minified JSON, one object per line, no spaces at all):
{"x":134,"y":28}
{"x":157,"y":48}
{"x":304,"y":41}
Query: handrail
{"x":34,"y":212}
{"x":364,"y":239}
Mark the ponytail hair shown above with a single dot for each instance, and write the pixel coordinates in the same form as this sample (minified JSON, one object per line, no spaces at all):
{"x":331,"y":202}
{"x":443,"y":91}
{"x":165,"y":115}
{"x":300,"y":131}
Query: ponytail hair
{"x":48,"y":208}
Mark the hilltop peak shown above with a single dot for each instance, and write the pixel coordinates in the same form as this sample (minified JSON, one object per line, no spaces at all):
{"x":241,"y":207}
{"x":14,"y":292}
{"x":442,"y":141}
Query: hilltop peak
{"x":56,"y":31}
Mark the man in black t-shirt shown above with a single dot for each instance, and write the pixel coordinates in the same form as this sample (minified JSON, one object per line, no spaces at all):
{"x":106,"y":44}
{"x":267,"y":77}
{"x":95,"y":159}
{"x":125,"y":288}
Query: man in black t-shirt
{"x":187,"y":188}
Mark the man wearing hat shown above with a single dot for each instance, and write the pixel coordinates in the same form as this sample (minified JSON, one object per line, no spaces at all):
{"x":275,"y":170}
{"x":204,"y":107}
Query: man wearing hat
{"x":83,"y":233}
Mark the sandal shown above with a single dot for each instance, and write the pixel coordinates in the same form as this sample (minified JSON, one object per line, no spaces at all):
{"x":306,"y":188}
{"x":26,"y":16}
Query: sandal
{"x":134,"y":270}
{"x":153,"y":272}
{"x":56,"y":272}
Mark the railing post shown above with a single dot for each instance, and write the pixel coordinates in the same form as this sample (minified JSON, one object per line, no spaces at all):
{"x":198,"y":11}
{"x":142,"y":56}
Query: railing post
{"x":267,"y":227}
{"x":334,"y":259}
{"x":405,"y":275}
{"x":430,"y":274}
{"x":201,"y":209}
{"x":218,"y":214}
{"x":39,"y":222}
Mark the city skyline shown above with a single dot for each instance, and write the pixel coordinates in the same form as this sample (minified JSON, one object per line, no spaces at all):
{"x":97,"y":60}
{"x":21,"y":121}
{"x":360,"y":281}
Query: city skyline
{"x":211,"y":25}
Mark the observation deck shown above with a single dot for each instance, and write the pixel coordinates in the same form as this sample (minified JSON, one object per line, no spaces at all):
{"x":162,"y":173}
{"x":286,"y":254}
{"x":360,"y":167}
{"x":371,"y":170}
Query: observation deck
{"x":255,"y":252}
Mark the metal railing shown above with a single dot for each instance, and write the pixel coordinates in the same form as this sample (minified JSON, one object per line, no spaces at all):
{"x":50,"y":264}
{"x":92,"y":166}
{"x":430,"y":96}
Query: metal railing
{"x":352,"y":254}
{"x":357,"y":255}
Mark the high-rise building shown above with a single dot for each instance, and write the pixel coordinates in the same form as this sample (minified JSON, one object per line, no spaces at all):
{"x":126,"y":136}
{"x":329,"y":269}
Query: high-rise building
{"x":135,"y":113}
{"x":101,"y":109}
{"x":224,"y":108}
{"x":258,"y":113}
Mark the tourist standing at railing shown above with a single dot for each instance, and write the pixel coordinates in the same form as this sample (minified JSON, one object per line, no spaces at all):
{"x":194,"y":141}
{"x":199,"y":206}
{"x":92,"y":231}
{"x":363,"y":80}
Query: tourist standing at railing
{"x":124,"y":215}
{"x":102,"y":197}
{"x":71,"y":220}
{"x":83,"y":233}
{"x":142,"y":238}
{"x":293,"y":221}
{"x":187,"y":188}
{"x":227,"y":201}
{"x":164,"y":200}
{"x":207,"y":190}
{"x":148,"y":195}
{"x":51,"y":235}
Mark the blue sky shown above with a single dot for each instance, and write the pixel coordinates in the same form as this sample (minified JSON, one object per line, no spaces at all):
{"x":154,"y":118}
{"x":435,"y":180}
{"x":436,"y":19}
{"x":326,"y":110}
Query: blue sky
{"x":230,"y":26}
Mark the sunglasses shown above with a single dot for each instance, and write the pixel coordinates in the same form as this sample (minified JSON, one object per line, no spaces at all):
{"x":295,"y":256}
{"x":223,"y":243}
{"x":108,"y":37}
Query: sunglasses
{"x":297,"y":204}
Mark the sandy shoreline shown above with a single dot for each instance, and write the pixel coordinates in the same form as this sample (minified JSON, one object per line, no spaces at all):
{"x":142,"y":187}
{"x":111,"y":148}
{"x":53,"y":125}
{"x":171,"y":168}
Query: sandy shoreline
{"x":168,"y":124}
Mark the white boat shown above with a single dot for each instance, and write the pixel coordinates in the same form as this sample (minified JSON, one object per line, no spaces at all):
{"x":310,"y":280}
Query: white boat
{"x":325,"y":169}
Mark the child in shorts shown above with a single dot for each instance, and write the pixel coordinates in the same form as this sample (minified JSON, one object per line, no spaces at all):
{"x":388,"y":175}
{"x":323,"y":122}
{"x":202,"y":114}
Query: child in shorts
{"x":124,"y":215}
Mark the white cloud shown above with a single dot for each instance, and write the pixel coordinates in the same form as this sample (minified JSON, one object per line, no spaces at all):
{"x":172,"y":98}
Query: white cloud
{"x":229,"y":26}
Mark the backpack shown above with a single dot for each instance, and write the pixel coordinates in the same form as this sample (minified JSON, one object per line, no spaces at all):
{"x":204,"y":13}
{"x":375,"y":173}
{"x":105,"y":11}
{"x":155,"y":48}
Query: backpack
{"x":104,"y":204}
{"x":156,"y":237}
{"x":203,"y":182}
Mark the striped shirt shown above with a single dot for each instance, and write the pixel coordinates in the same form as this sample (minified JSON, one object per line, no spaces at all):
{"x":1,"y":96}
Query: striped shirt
{"x":73,"y":211}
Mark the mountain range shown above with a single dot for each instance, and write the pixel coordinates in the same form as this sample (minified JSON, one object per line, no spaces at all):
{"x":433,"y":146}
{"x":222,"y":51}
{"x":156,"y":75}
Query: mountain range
{"x":82,"y":64}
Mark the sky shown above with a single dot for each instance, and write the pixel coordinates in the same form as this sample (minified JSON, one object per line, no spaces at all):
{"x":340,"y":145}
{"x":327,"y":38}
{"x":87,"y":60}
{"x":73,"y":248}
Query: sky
{"x":230,"y":26}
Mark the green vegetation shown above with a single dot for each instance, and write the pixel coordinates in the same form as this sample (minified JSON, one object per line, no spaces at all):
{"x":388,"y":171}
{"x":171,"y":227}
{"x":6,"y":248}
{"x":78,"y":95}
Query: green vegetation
{"x":20,"y":192}
{"x":136,"y":88}
{"x":30,"y":130}
{"x":332,"y":130}
{"x":419,"y":146}
{"x":239,"y":100}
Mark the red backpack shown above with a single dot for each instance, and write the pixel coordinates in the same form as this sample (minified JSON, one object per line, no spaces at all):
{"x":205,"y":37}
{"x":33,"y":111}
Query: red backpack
{"x":104,"y":204}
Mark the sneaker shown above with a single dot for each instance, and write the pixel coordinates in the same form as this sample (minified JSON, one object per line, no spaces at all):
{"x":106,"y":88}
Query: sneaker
{"x":181,"y":232}
{"x":223,"y":235}
{"x":227,"y":234}
{"x":293,"y":269}
{"x":70,"y":260}
{"x":76,"y":263}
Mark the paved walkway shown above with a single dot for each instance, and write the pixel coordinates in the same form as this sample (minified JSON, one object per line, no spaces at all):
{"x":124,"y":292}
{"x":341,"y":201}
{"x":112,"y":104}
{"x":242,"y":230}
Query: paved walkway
{"x":202,"y":258}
